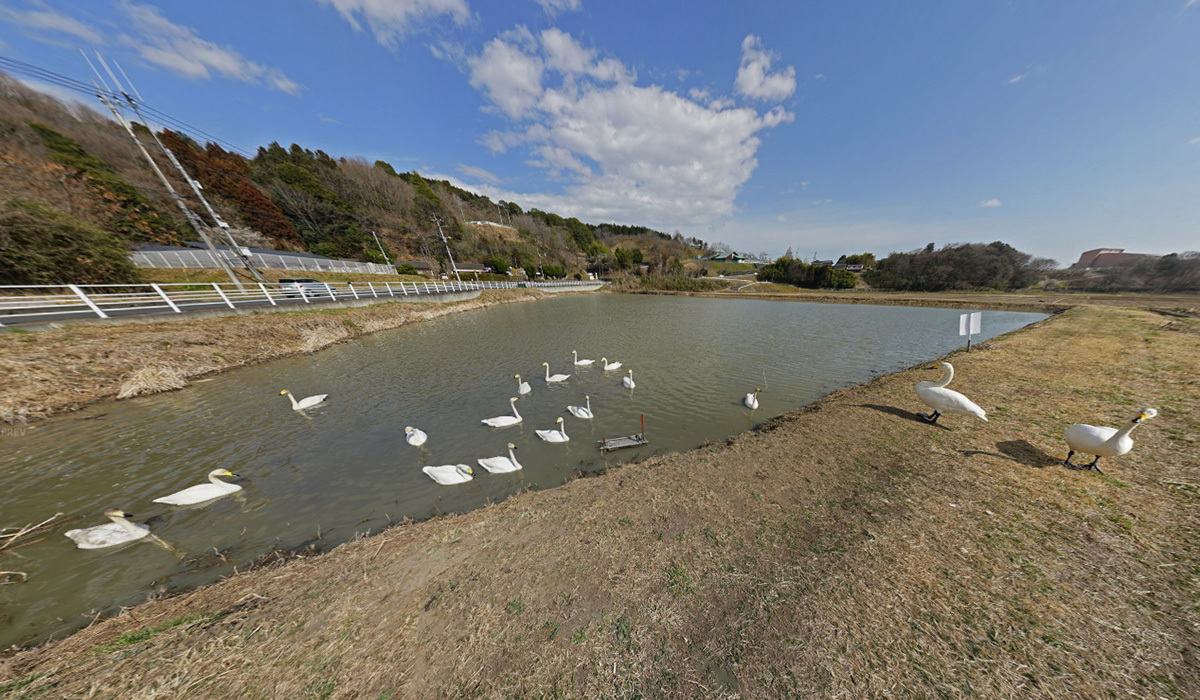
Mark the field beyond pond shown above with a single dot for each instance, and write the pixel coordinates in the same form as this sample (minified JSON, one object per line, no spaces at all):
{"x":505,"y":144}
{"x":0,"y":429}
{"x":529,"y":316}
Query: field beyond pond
{"x":846,"y":549}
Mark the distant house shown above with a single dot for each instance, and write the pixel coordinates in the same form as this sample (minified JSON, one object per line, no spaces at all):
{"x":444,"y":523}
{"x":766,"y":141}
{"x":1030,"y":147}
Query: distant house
{"x":722,"y":256}
{"x":1110,"y":257}
{"x":470,"y":268}
{"x":822,"y":263}
{"x":856,"y":267}
{"x":422,"y":267}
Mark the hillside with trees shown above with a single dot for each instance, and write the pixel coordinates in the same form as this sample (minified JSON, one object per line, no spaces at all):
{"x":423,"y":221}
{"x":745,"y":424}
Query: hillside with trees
{"x":959,"y":266}
{"x":65,"y":165}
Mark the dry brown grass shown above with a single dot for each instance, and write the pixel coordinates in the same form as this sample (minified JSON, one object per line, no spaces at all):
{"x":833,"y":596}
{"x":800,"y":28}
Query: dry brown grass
{"x":151,"y":380}
{"x":845,"y":550}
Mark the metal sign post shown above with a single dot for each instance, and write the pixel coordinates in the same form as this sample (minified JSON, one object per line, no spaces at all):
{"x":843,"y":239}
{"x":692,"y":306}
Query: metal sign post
{"x":970,"y":324}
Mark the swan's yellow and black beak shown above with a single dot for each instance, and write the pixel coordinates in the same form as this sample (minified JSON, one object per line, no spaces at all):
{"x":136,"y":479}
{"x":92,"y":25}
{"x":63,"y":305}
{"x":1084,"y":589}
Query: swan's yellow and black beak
{"x":283,"y":393}
{"x":1140,"y":417}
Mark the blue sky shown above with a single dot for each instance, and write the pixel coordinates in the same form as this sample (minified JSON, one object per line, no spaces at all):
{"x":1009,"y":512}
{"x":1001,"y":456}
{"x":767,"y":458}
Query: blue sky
{"x":827,"y":127}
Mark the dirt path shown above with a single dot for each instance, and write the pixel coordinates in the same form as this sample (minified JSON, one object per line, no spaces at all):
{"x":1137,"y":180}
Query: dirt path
{"x":845,"y":550}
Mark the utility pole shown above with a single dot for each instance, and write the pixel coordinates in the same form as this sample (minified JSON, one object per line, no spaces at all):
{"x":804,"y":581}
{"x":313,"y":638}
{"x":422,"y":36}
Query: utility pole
{"x":385,"y":257}
{"x":447,"y":244}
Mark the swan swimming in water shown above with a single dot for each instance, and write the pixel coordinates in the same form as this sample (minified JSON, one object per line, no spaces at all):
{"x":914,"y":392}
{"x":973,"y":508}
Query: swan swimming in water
{"x":523,"y":387}
{"x":415,"y":436}
{"x":449,"y":474}
{"x":581,"y":411}
{"x":1102,"y":442}
{"x":501,"y":464}
{"x":943,"y":400}
{"x":505,"y":421}
{"x":627,"y":381}
{"x":607,"y":366}
{"x":554,"y":379}
{"x":307,"y":402}
{"x":751,"y":399}
{"x":119,"y":531}
{"x":559,"y":435}
{"x":202,"y":492}
{"x":579,"y":362}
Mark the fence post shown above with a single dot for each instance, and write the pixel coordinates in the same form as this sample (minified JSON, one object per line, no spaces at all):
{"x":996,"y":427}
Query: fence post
{"x":330,"y":290}
{"x":405,"y":289}
{"x":426,"y":286}
{"x":91,"y":304}
{"x":166,"y":298}
{"x":372,"y":288}
{"x":222,"y":293}
{"x":352,"y":289}
{"x":266,"y":293}
{"x":164,"y":259}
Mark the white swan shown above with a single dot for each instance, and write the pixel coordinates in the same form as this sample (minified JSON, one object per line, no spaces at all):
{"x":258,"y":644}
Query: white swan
{"x":202,"y":492}
{"x":554,"y":379}
{"x":627,"y":381}
{"x":523,"y":387}
{"x":119,"y":531}
{"x":415,"y":436}
{"x":501,"y":464}
{"x":1103,"y":442}
{"x":943,"y":400}
{"x":505,"y":421}
{"x":559,"y":435}
{"x":579,"y":362}
{"x":449,"y":474}
{"x":304,"y":403}
{"x":604,"y":361}
{"x":751,"y":399}
{"x":582,"y":412}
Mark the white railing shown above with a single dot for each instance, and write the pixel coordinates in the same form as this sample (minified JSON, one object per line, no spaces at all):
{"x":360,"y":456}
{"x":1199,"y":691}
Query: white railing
{"x":66,"y":302}
{"x":204,"y":259}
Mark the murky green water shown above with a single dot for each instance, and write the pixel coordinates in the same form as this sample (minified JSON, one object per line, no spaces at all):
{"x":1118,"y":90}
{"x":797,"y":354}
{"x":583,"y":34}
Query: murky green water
{"x":345,"y":468}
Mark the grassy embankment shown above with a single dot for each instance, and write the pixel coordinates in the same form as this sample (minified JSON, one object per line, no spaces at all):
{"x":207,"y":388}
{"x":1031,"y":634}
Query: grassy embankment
{"x":845,"y":550}
{"x":63,"y":369}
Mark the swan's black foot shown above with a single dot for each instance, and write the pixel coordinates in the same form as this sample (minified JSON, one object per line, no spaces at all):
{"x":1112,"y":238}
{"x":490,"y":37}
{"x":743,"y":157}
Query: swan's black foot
{"x":930,"y":418}
{"x":1094,"y":468}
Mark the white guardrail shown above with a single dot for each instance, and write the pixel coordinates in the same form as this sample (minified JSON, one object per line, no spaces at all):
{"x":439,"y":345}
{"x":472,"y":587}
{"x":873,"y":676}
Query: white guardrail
{"x":205,"y":259}
{"x":66,"y":302}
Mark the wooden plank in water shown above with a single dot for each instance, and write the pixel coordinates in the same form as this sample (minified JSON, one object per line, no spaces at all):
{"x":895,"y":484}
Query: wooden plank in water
{"x":608,"y":444}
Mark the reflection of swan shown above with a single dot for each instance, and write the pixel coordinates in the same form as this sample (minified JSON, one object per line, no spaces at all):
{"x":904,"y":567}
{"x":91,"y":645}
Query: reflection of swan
{"x":449,"y":474}
{"x":504,"y":421}
{"x":627,"y":381}
{"x":943,"y":400}
{"x":415,"y":436}
{"x":523,"y":387}
{"x":615,"y":365}
{"x":580,"y":411}
{"x":119,"y":531}
{"x":1103,"y":442}
{"x":501,"y":464}
{"x":751,"y":399}
{"x":559,"y":435}
{"x":202,"y":492}
{"x":579,"y":362}
{"x":554,"y":379}
{"x":304,"y":403}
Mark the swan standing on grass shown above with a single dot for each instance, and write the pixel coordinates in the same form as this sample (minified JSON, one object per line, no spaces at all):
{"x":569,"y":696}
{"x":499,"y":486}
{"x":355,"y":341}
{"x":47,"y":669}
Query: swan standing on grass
{"x":559,"y":435}
{"x":304,"y":403}
{"x":119,"y":531}
{"x":501,"y":464}
{"x":604,"y":361}
{"x":449,"y":474}
{"x":579,"y":362}
{"x":202,"y":492}
{"x":751,"y":399}
{"x":582,"y":412}
{"x":1102,"y":442}
{"x":627,"y":381}
{"x":556,"y":378}
{"x":523,"y":387}
{"x":505,"y":421}
{"x":415,"y":436}
{"x":943,"y":400}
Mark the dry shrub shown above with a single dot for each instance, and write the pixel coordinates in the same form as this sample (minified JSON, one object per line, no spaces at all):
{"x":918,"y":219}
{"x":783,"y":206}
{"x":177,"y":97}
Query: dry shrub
{"x":151,"y":380}
{"x":313,"y":339}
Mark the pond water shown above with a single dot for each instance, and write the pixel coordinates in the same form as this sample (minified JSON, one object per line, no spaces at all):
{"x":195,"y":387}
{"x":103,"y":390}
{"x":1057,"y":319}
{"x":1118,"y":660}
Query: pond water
{"x":344,"y":468}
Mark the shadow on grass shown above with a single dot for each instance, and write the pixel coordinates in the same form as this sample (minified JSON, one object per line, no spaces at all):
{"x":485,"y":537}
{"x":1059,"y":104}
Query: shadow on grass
{"x":1020,"y":451}
{"x":901,"y":413}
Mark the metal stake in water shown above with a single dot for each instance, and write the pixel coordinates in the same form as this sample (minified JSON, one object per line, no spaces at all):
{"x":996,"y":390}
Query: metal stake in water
{"x":970,"y":324}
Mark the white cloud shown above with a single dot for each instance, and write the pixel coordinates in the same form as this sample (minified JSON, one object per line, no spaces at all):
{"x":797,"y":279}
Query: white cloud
{"x":479,"y":173}
{"x":1195,"y":141}
{"x":1017,"y":78}
{"x":47,"y":19}
{"x":781,"y":218}
{"x":391,"y":20}
{"x":553,"y":7}
{"x":327,"y":119}
{"x":754,"y":78}
{"x":626,"y":153}
{"x":1189,"y":3}
{"x":990,"y":203}
{"x":179,"y":50}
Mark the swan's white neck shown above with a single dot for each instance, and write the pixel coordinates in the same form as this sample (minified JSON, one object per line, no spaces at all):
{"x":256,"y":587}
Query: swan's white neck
{"x":588,"y":399}
{"x":125,"y":524}
{"x":547,"y":371}
{"x":512,"y":456}
{"x":947,"y":376}
{"x":562,"y":428}
{"x":295,"y":403}
{"x":513,"y":403}
{"x":1124,"y":431}
{"x":212,"y":476}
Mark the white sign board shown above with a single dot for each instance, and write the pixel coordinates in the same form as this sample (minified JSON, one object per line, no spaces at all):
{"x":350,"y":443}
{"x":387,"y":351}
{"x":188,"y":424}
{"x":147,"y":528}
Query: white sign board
{"x":970,"y":324}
